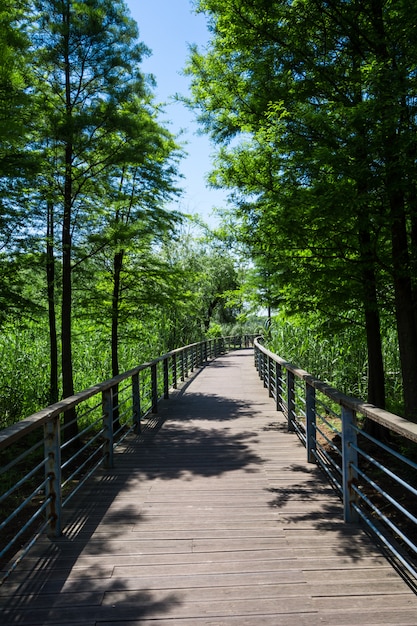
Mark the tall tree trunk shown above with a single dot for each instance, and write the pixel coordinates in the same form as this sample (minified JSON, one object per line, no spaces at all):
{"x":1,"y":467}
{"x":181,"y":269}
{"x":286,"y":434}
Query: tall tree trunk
{"x":404,"y":313}
{"x":71,"y":427}
{"x":50,"y":279}
{"x":376,"y":374}
{"x":392,"y":91}
{"x":117,"y":270}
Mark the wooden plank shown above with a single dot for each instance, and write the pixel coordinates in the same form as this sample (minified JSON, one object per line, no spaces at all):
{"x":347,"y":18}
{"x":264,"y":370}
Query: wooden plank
{"x":215,"y":520}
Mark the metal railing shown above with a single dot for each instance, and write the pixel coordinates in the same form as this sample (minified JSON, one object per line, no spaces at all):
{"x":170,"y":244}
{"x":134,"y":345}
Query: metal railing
{"x":42,"y":467}
{"x":366,"y":452}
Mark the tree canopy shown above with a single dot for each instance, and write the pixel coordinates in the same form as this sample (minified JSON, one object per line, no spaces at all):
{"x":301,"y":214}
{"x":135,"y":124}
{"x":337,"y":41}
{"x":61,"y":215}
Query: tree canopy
{"x":312,"y":106}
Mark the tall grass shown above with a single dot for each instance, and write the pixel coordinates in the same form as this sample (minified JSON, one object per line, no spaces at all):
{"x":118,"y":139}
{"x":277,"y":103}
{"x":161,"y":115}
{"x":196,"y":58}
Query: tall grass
{"x":24,"y":362}
{"x":24,"y":373}
{"x":339,"y":359}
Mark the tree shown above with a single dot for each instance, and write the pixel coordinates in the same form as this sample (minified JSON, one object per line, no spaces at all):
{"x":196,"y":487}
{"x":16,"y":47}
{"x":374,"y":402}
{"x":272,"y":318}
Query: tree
{"x":17,"y":162}
{"x":327,"y":133}
{"x":87,"y":58}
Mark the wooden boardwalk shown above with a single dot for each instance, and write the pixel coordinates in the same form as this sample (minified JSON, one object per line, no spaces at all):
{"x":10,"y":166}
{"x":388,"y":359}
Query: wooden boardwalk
{"x":216,"y":520}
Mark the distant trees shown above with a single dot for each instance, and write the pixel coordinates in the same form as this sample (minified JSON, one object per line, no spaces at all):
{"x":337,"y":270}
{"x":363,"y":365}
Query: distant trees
{"x":17,"y":165}
{"x":94,"y":104}
{"x":313,"y":106}
{"x":90,"y":255}
{"x":84,"y":164}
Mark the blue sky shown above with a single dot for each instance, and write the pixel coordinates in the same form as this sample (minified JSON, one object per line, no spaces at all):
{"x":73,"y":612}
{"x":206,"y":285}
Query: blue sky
{"x":167,"y":27}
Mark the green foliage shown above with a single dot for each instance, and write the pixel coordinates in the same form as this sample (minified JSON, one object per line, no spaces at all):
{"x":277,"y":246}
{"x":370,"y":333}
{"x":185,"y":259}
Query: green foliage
{"x":23,"y":371}
{"x":312,"y":108}
{"x":336,"y":356}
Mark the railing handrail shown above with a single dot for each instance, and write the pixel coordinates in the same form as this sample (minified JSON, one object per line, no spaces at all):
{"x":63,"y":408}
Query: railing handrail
{"x":23,"y":427}
{"x":393,"y":422}
{"x":56,"y":463}
{"x":370,"y":470}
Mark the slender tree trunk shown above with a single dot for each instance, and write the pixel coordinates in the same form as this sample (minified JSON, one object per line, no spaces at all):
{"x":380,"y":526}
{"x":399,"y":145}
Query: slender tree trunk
{"x":392,"y":90}
{"x":50,"y":278}
{"x":71,"y":427}
{"x":405,"y":314}
{"x":376,"y":374}
{"x":117,"y":270}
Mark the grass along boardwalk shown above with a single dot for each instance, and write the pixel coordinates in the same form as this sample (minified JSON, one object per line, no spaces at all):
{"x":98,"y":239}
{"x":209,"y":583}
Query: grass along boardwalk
{"x":213,"y":519}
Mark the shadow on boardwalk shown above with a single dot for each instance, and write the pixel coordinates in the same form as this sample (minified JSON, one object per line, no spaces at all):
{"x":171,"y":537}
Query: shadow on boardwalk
{"x":211,"y":516}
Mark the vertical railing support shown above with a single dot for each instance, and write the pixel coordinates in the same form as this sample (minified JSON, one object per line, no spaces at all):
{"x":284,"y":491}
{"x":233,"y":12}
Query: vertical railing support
{"x":259,"y":368}
{"x":270,"y":377}
{"x":182,"y":366}
{"x":310,"y":423}
{"x":265,"y":370}
{"x":186,"y":361}
{"x":136,"y":402}
{"x":166,"y":379}
{"x":349,"y":463}
{"x":174,"y":371}
{"x":52,"y":447}
{"x":278,"y":385}
{"x":154,"y":388}
{"x":107,"y":405}
{"x":290,"y":400}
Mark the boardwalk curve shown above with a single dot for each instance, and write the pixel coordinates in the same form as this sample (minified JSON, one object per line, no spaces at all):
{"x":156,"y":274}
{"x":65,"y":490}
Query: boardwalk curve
{"x":215,"y":519}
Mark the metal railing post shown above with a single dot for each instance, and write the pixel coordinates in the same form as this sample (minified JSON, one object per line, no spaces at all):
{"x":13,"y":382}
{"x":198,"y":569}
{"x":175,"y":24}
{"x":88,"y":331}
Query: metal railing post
{"x":174,"y":371}
{"x":310,"y":423}
{"x":136,"y":402}
{"x":182,"y":366}
{"x":349,"y":463}
{"x":270,"y":377}
{"x":166,"y":379}
{"x":154,"y":385}
{"x":186,"y":362}
{"x":290,"y":400}
{"x":53,"y":492}
{"x":107,"y":404}
{"x":264,"y":369}
{"x":278,"y":385}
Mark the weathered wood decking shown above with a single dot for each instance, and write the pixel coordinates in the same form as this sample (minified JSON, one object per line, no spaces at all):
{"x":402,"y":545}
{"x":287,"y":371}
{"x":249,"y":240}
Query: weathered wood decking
{"x":216,"y":520}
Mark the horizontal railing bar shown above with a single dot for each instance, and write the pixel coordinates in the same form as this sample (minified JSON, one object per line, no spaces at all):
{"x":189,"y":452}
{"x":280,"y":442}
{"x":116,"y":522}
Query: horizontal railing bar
{"x":123,"y":401}
{"x":27,"y":425}
{"x":383,"y":538}
{"x":383,"y":417}
{"x":386,"y":471}
{"x":25,"y":527}
{"x":365,"y":477}
{"x":23,"y":480}
{"x":80,"y":467}
{"x":23,"y":504}
{"x":384,"y":518}
{"x":21,"y":457}
{"x":382,"y":445}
